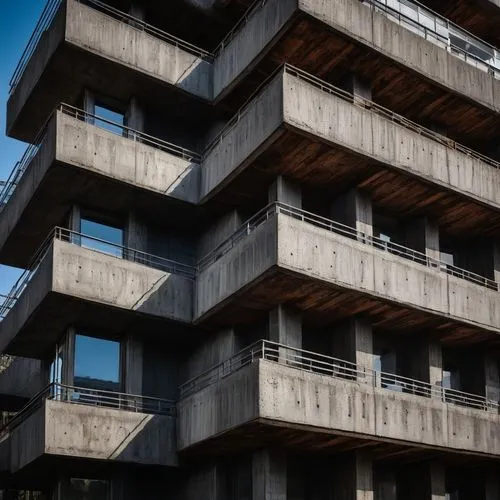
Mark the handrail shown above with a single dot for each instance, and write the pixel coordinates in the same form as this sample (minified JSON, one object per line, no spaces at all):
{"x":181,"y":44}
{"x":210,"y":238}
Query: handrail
{"x":50,"y":11}
{"x":445,"y":25}
{"x":331,"y":225}
{"x":355,"y":100}
{"x":333,"y":367}
{"x":91,"y":397}
{"x":8,"y":187}
{"x":97,"y":245}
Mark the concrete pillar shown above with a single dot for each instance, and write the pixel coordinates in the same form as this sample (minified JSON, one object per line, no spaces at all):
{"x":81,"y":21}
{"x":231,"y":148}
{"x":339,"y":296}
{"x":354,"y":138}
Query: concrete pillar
{"x":437,"y":477}
{"x":133,"y":366}
{"x":422,"y":360}
{"x":353,"y":341}
{"x":353,"y":477}
{"x":496,"y":261}
{"x":479,"y":257}
{"x":422,"y":235}
{"x":284,"y":191}
{"x":360,"y":88}
{"x":137,"y":11}
{"x":68,"y":358}
{"x":354,"y":209}
{"x":491,"y":485}
{"x":136,"y":234}
{"x":134,"y":118}
{"x":269,"y":475}
{"x":385,"y":486}
{"x":492,"y":377}
{"x":88,"y":101}
{"x":285,"y":327}
{"x":206,"y":482}
{"x":218,"y":233}
{"x":480,"y":374}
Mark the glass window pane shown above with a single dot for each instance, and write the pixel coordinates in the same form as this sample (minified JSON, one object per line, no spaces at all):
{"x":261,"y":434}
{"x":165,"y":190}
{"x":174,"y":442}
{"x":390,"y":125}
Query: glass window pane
{"x":88,"y":489}
{"x":109,"y":119}
{"x":97,"y":363}
{"x":101,"y":237}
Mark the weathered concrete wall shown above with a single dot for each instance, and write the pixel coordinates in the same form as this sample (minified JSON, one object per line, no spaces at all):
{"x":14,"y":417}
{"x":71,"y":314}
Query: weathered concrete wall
{"x":249,"y":259}
{"x":31,"y":179}
{"x":107,"y":434}
{"x":23,"y":378}
{"x":48,"y":44}
{"x":374,"y":29}
{"x":248,"y":43}
{"x":254,"y":128}
{"x":219,"y":407}
{"x":94,"y":276}
{"x":27,"y":440}
{"x":295,"y":397}
{"x":121,"y":42}
{"x":311,"y":110}
{"x":124,"y":159}
{"x":336,"y":259}
{"x":30,"y":299}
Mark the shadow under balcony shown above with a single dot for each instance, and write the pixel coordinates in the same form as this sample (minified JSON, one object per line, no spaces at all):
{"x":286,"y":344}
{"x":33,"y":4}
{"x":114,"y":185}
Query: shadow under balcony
{"x":79,"y":280}
{"x":80,"y":157}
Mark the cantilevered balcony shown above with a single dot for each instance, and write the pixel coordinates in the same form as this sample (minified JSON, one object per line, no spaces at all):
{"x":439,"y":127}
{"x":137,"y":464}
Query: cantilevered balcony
{"x":275,"y":393}
{"x":329,"y":270}
{"x":82,"y":157}
{"x":71,"y":423}
{"x":81,"y":280}
{"x":317,"y":134}
{"x":88,"y":43}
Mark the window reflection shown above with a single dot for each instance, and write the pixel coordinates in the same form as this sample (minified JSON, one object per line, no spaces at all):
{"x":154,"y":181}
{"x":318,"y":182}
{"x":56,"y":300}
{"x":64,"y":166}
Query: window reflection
{"x":109,"y":119}
{"x":101,"y":237}
{"x":88,"y":489}
{"x":97,"y":363}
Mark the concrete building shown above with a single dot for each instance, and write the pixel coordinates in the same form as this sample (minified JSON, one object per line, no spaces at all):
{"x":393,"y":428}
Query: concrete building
{"x":261,"y":252}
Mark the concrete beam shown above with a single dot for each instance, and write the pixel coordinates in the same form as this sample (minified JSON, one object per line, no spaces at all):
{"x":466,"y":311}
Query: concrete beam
{"x":285,"y":396}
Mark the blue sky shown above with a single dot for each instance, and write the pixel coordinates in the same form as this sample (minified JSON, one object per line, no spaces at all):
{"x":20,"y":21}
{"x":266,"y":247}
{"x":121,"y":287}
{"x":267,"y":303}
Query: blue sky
{"x":17,"y":20}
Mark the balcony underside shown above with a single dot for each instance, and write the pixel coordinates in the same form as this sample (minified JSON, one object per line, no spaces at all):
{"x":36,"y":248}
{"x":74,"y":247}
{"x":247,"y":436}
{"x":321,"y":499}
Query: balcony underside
{"x":309,"y":45}
{"x":275,"y":404}
{"x":323,"y":304}
{"x":480,"y":18}
{"x":74,"y":286}
{"x":330,"y":170}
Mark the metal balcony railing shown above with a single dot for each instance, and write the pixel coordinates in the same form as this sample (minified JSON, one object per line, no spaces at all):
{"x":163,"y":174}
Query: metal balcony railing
{"x":7,"y":188}
{"x":441,"y":31}
{"x":343,"y":230}
{"x":90,"y":397}
{"x":332,"y":367}
{"x":97,"y":245}
{"x":52,"y":8}
{"x":359,"y":101}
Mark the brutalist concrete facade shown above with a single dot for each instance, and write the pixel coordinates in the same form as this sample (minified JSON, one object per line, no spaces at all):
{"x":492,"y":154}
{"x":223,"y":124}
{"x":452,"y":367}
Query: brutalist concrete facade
{"x":261,"y":252}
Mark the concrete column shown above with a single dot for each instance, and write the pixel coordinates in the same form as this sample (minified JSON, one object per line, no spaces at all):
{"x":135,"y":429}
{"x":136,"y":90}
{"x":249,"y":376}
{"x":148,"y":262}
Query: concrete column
{"x":496,"y":261}
{"x":136,"y":234}
{"x":136,"y":10}
{"x":437,"y":476}
{"x":353,"y":477}
{"x":88,"y":101}
{"x":285,"y":327}
{"x":422,"y":235}
{"x":491,"y":485}
{"x":206,"y":482}
{"x":134,"y":117}
{"x":269,"y":475}
{"x":285,"y":191}
{"x":422,"y":360}
{"x":492,"y":377}
{"x":480,"y":374}
{"x":74,"y":219}
{"x":386,"y":486}
{"x":354,"y":209}
{"x":215,"y":236}
{"x":68,"y":355}
{"x":133,"y":357}
{"x":360,"y":88}
{"x":353,"y":341}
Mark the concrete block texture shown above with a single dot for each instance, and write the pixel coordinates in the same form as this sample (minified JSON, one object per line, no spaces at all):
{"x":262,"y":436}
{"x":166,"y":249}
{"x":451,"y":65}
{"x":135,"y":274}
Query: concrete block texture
{"x":79,"y":431}
{"x":292,"y":397}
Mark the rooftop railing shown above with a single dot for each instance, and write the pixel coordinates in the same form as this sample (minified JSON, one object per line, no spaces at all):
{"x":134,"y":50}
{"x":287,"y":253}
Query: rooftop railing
{"x":90,"y":397}
{"x":343,"y":230}
{"x":440,"y":31}
{"x":50,"y":11}
{"x":8,"y":187}
{"x":332,"y":367}
{"x":97,"y":245}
